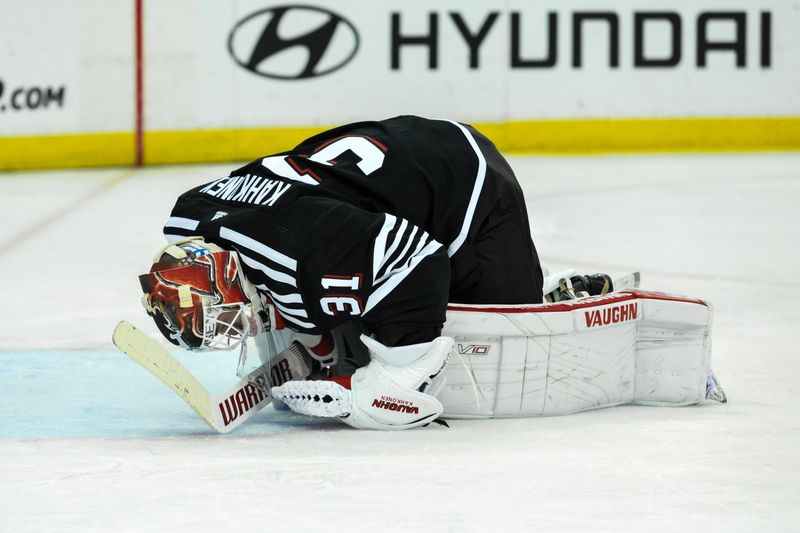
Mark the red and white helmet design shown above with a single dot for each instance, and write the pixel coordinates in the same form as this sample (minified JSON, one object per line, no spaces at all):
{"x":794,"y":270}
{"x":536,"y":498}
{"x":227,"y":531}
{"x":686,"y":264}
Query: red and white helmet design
{"x":195,"y":292}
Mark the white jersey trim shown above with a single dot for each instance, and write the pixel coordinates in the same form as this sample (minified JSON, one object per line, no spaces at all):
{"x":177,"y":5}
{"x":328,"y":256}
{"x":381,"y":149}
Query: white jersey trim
{"x":285,"y":299}
{"x":298,"y":313}
{"x":384,"y":290}
{"x":398,"y":238}
{"x":403,"y":261}
{"x":290,"y":318}
{"x":402,"y":257}
{"x":273,"y":274}
{"x":476,"y":191}
{"x":289,"y":314}
{"x":259,"y":248}
{"x":379,"y":251}
{"x":183,"y":223}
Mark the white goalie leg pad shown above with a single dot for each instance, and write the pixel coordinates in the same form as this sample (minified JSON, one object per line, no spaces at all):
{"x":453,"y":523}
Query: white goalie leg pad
{"x":629,"y":346}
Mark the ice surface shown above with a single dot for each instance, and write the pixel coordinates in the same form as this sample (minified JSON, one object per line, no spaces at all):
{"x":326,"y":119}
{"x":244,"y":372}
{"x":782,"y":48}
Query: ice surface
{"x":91,"y":442}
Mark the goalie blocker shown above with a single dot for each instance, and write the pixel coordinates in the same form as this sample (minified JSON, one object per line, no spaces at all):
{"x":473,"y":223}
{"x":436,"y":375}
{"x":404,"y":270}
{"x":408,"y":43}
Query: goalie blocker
{"x":627,"y":347}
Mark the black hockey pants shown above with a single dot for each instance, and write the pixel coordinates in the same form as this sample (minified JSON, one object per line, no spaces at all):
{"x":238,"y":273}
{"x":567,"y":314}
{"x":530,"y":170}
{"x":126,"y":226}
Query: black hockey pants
{"x":498,"y":263}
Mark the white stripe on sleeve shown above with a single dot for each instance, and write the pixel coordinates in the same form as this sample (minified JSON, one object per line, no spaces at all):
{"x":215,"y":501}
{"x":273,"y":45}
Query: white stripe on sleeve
{"x":292,"y":298}
{"x":259,"y":248}
{"x":290,"y":311}
{"x":379,"y":249}
{"x":290,"y":314}
{"x":183,"y":223}
{"x":401,"y":258}
{"x":302,"y":324}
{"x":384,"y":290}
{"x":273,"y":274}
{"x":398,"y":238}
{"x":423,"y":240}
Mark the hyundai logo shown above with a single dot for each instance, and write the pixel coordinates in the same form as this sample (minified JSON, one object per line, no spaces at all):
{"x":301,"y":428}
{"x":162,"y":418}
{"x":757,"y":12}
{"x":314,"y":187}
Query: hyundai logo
{"x":293,"y":42}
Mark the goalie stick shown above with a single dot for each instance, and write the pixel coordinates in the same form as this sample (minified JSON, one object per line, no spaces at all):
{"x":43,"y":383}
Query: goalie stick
{"x":227,"y":410}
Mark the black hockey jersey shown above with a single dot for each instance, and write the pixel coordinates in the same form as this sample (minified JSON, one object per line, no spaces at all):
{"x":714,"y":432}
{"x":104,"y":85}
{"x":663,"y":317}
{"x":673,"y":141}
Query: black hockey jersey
{"x":356,"y":222}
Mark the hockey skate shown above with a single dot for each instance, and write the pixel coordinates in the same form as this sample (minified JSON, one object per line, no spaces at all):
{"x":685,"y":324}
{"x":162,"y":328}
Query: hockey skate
{"x":569,"y":286}
{"x":713,"y":389}
{"x":573,"y":287}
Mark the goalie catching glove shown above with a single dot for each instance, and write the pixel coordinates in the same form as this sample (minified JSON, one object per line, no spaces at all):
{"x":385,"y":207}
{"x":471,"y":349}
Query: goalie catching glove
{"x":396,"y":390}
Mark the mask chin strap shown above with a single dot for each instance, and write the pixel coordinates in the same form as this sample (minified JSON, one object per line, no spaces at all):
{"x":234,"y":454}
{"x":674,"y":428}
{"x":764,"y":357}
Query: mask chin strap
{"x":249,"y":289}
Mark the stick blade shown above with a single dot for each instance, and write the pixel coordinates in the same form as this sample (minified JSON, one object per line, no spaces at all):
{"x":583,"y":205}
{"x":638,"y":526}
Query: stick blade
{"x":159,"y":362}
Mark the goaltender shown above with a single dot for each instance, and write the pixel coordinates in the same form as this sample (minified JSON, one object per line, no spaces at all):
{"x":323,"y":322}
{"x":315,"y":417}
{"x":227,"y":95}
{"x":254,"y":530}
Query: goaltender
{"x":374,"y":226}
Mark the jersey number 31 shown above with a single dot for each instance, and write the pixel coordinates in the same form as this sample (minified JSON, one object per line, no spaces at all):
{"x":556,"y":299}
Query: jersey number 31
{"x":334,"y":304}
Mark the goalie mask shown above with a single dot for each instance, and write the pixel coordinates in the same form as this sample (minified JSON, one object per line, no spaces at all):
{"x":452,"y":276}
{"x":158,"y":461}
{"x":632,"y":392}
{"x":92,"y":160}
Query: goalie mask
{"x":199,"y":298}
